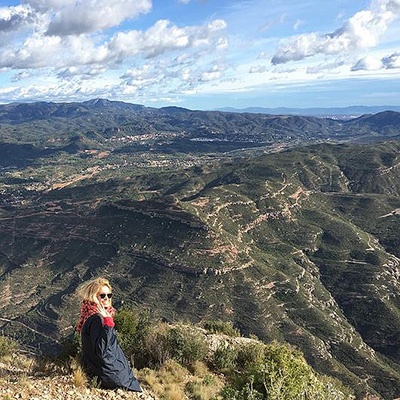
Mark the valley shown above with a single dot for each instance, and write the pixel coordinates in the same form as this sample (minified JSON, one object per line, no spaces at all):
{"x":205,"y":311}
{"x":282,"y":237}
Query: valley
{"x":285,"y":226}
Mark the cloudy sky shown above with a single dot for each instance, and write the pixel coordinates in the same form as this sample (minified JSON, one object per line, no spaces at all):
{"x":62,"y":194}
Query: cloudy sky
{"x":202,"y":54}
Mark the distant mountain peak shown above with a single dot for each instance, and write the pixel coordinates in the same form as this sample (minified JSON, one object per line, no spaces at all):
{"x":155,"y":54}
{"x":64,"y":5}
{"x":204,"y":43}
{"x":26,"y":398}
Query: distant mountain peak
{"x":174,"y":109}
{"x":101,"y":103}
{"x":98,"y":102}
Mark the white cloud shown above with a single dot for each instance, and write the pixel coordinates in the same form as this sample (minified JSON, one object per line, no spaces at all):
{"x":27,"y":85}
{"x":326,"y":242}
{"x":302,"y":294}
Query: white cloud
{"x":392,"y":61}
{"x":368,"y":63}
{"x":42,"y":51}
{"x":82,"y":72}
{"x":137,"y":73}
{"x":362,"y":31}
{"x":48,"y":5}
{"x":20,"y":76}
{"x":77,"y":17}
{"x":156,"y":40}
{"x":164,"y":36}
{"x":14,"y":18}
{"x":36,"y":52}
{"x":258,"y":69}
{"x":186,"y":74}
{"x":52,"y":52}
{"x":325,"y":67}
{"x":297,"y":24}
{"x":213,"y":73}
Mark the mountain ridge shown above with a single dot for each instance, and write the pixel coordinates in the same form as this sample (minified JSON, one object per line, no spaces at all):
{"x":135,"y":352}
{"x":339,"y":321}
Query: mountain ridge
{"x":349,"y":111}
{"x":128,"y":128}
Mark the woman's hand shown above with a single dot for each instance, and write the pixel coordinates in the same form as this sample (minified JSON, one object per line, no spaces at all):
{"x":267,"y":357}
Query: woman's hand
{"x":103,"y":311}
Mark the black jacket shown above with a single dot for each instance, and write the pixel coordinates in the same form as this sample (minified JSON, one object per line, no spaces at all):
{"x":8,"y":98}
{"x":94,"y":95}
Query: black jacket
{"x":103,"y":358}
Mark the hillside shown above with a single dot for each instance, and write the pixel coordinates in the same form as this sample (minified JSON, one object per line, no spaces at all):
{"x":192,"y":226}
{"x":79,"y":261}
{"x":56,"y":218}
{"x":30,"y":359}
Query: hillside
{"x":299,"y":245}
{"x":176,"y":361}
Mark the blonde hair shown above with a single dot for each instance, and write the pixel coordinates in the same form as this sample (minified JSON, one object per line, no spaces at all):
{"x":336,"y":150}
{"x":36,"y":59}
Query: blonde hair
{"x":88,"y":290}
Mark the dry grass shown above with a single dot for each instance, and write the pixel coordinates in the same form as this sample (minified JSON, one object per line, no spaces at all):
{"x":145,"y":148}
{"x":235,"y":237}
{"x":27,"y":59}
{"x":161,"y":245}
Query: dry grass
{"x":25,"y":381}
{"x":20,"y":361}
{"x":204,"y":385}
{"x":45,"y":367}
{"x":174,"y":382}
{"x":168,"y":382}
{"x":79,"y":378}
{"x":7,"y":346}
{"x":199,"y":369}
{"x":173,"y":392}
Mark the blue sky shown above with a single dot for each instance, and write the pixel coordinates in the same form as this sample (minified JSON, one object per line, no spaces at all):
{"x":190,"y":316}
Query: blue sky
{"x":202,"y":54}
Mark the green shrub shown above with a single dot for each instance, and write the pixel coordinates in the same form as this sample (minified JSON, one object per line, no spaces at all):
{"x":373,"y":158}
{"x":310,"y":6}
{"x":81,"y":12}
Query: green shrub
{"x":157,"y":347}
{"x":178,"y":343}
{"x":247,"y":392}
{"x":71,"y":347}
{"x":7,"y":346}
{"x":126,"y":323}
{"x":188,"y":346}
{"x":225,"y":357}
{"x":221,"y":327}
{"x":285,"y":373}
{"x":328,"y":388}
{"x":276,"y":372}
{"x":133,"y":329}
{"x":250,"y":356}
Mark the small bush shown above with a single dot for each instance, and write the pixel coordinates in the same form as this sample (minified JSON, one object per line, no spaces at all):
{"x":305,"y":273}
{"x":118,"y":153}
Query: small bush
{"x":250,"y":356}
{"x":286,"y":373}
{"x":189,"y":346}
{"x":71,"y":347}
{"x":225,"y":357}
{"x":178,"y":343}
{"x":133,"y":331}
{"x":247,"y":392}
{"x":157,"y":346}
{"x":223,"y":327}
{"x":8,"y":346}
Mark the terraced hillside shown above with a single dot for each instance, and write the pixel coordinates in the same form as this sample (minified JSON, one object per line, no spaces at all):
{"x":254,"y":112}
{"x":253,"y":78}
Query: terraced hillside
{"x":299,"y":246}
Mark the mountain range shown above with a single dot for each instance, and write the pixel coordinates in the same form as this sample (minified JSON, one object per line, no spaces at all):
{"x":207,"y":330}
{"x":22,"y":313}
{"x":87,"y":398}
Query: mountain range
{"x":285,"y":225}
{"x":335,"y":112}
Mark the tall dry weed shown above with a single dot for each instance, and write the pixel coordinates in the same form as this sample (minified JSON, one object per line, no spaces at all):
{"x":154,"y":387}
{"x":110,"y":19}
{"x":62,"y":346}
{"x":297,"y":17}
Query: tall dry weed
{"x":79,"y":377}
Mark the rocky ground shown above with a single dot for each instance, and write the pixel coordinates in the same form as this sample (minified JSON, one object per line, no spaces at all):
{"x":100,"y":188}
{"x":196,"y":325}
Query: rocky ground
{"x":21,"y":378}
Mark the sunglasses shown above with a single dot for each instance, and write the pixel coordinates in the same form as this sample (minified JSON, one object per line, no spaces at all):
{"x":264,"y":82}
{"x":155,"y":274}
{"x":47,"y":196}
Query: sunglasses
{"x":104,"y":295}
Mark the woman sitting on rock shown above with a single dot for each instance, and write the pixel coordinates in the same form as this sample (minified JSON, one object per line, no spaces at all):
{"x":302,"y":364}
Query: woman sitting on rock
{"x":102,"y":357}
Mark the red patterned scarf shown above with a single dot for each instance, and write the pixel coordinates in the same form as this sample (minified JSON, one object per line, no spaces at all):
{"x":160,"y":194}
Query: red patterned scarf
{"x":88,"y":308}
